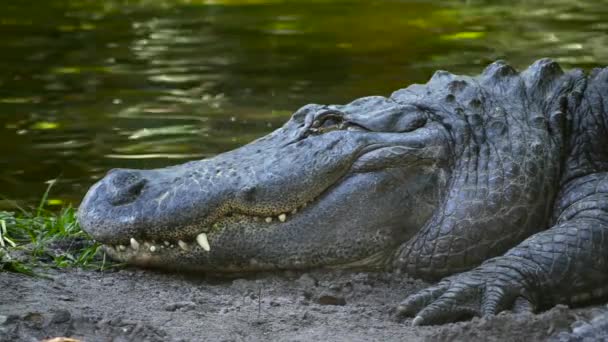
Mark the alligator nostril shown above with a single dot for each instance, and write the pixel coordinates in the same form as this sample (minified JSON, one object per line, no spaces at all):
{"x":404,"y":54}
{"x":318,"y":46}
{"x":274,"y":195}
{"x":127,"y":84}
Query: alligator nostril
{"x":124,"y":186}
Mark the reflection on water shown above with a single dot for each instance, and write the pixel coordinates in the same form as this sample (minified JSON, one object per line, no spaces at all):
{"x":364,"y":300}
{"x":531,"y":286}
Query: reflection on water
{"x":86,"y":86}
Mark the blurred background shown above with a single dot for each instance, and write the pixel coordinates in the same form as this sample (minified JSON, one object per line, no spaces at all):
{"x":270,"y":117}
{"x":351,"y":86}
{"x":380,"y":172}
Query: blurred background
{"x":89,"y":85}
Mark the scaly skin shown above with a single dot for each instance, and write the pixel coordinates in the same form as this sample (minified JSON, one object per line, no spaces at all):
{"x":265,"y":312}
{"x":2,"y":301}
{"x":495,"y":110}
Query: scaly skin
{"x":568,"y":263}
{"x":503,"y":180}
{"x":496,"y":183}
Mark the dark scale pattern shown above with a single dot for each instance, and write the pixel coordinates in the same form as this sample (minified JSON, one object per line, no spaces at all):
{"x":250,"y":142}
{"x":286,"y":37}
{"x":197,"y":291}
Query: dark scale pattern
{"x":506,"y":171}
{"x":567,"y":263}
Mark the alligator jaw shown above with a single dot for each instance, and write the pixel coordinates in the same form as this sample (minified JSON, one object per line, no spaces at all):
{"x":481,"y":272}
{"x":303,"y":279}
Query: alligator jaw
{"x":294,"y":240}
{"x":134,"y":248}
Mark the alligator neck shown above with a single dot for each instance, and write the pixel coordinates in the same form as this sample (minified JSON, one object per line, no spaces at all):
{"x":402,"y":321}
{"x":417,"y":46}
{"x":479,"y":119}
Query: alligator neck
{"x":587,"y":143}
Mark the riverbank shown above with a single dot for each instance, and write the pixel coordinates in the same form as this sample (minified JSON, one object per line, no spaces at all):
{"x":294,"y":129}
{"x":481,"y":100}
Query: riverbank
{"x":143,"y":305}
{"x":57,"y":282}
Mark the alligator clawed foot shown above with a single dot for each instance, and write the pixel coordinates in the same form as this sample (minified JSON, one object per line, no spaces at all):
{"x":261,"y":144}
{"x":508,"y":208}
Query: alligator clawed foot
{"x":472,"y":294}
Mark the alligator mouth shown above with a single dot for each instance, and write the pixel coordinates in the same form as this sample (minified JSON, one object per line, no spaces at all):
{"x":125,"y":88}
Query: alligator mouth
{"x":200,"y":242}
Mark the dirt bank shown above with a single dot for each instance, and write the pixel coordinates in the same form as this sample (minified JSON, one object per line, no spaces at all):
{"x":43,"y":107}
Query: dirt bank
{"x":142,"y":305}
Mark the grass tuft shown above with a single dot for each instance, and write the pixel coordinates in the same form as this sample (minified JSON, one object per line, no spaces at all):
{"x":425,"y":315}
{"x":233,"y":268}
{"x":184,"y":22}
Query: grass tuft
{"x":41,"y":238}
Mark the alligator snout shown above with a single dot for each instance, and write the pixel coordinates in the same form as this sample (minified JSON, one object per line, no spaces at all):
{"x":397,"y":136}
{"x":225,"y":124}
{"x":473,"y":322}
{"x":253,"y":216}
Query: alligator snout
{"x":124,"y":186}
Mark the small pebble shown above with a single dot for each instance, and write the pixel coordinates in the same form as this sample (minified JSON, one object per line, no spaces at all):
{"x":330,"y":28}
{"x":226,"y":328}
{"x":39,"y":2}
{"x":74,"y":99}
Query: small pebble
{"x":330,"y":299}
{"x":180,"y":305}
{"x":61,"y":316}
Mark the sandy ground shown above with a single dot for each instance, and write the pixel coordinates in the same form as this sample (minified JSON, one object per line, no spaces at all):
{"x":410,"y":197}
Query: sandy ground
{"x":143,"y":305}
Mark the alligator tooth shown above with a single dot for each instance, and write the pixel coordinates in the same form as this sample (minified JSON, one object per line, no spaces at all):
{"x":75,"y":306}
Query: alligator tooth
{"x":294,"y":211}
{"x":268,"y":219}
{"x":166,"y":243}
{"x":121,"y":247}
{"x":282,"y":217}
{"x":203,"y":242}
{"x":152,"y":248}
{"x":134,"y":244}
{"x":182,"y":245}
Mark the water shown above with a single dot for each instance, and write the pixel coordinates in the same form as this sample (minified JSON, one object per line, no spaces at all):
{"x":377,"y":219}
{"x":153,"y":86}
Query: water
{"x":86,"y":86}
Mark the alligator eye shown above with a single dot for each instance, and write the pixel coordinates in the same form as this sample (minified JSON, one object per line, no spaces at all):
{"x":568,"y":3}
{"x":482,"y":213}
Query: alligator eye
{"x":330,"y":124}
{"x":326,"y":122}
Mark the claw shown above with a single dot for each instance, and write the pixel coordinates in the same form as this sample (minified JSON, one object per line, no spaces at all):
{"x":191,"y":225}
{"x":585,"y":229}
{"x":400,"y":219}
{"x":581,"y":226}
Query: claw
{"x":417,"y":321}
{"x":523,"y":305}
{"x":416,"y":302}
{"x":444,"y":310}
{"x":441,"y":304}
{"x":479,"y":292}
{"x":493,"y":299}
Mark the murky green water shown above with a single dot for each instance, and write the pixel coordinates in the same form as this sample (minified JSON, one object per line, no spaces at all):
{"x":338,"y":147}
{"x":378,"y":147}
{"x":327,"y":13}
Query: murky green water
{"x":86,"y":86}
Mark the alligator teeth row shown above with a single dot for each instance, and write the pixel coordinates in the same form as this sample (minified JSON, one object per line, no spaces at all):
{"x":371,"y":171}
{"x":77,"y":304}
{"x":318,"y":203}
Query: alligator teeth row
{"x":201,"y":240}
{"x":280,"y":217}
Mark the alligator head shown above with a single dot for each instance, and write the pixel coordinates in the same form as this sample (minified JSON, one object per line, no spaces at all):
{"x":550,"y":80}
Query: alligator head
{"x":336,"y":186}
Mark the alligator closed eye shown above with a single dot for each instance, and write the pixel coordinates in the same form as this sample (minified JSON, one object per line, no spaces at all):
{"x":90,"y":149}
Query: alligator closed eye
{"x":327,"y":121}
{"x":496,"y":196}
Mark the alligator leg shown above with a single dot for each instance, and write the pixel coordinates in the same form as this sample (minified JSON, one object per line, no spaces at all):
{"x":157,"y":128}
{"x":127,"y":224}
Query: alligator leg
{"x":565,"y":264}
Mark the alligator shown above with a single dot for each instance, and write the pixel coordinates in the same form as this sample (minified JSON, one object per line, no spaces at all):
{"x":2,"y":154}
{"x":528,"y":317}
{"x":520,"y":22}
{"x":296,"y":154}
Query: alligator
{"x":494,"y":186}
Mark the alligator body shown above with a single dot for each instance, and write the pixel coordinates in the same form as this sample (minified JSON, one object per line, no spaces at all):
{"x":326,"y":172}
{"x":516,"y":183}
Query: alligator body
{"x":495,"y":184}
